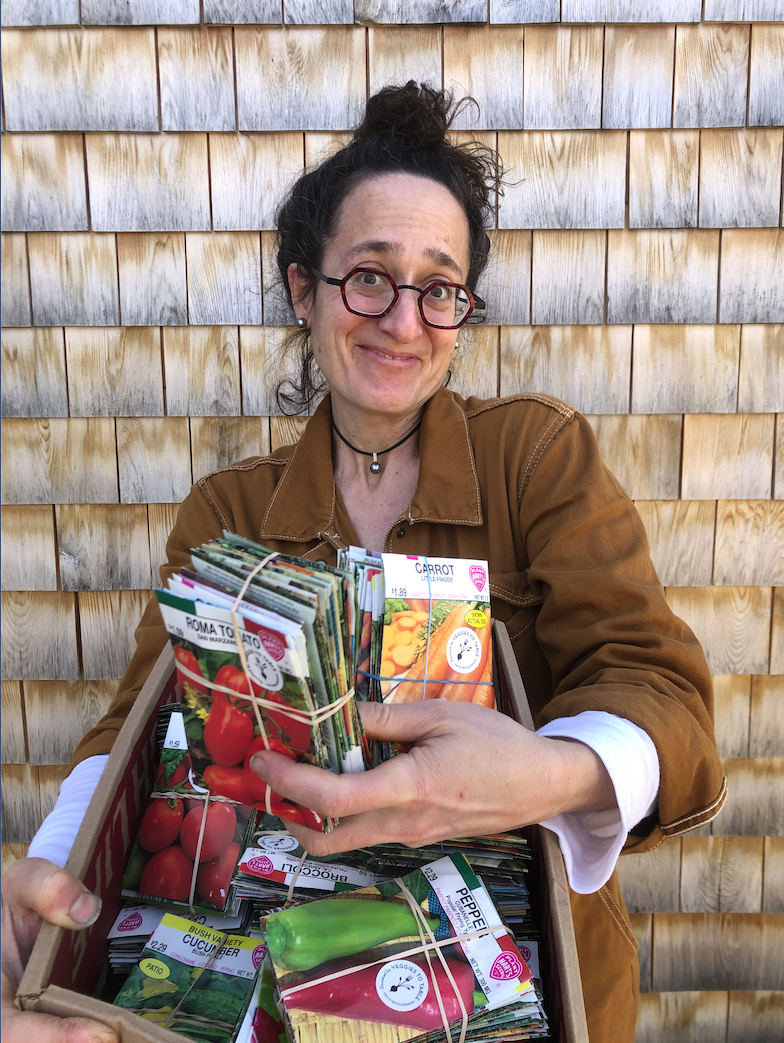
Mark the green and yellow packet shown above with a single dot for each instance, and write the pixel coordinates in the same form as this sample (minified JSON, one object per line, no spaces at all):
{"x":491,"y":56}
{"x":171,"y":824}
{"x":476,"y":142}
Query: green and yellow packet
{"x":194,"y":980}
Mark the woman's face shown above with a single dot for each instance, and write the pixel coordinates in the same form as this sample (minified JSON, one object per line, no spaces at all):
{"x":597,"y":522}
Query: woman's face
{"x":413,"y":229}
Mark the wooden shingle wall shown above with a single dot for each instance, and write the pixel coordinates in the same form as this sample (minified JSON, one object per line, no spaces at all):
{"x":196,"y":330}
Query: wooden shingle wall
{"x":638,"y":273}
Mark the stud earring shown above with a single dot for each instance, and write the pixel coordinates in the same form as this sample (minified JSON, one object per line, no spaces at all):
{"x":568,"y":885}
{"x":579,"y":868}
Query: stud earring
{"x":301,"y":323}
{"x":457,"y":343}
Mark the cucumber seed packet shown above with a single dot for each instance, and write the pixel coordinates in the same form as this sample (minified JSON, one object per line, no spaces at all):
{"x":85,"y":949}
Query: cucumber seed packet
{"x":193,"y":980}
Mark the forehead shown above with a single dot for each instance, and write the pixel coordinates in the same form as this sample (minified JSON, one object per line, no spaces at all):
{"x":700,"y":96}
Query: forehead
{"x":414,"y":218}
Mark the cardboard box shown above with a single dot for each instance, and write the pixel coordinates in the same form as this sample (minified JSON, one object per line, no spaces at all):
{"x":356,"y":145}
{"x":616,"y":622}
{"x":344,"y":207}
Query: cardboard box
{"x":66,"y":968}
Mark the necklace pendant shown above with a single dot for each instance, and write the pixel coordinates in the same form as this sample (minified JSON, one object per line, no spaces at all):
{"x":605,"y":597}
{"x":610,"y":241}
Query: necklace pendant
{"x":375,"y":467}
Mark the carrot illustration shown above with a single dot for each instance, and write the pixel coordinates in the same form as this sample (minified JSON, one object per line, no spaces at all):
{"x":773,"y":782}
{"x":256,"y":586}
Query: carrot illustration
{"x":484,"y":694}
{"x":410,"y":689}
{"x":468,"y":691}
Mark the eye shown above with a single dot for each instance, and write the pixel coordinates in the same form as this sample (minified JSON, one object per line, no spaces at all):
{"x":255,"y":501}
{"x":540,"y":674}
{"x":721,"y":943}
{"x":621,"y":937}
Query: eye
{"x":367,"y":278}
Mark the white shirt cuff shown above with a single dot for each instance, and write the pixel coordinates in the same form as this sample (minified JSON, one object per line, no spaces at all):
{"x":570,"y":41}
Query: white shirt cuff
{"x":591,"y":841}
{"x":57,"y":834}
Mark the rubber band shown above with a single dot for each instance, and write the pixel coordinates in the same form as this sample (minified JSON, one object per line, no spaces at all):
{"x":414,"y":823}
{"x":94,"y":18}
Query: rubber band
{"x":206,"y":967}
{"x":429,"y":622}
{"x":313,"y":717}
{"x":195,"y":873}
{"x":421,"y":923}
{"x":402,"y":677}
{"x":244,"y":661}
{"x":295,"y":877}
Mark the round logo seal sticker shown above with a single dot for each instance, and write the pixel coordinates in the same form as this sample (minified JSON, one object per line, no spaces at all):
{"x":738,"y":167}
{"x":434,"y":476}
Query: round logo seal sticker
{"x":463,"y":650}
{"x":277,"y":842}
{"x":258,"y":955}
{"x":401,"y":985}
{"x":264,"y":671}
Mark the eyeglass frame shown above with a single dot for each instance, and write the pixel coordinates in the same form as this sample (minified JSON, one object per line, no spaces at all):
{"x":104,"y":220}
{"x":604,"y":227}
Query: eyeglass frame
{"x":475,"y":303}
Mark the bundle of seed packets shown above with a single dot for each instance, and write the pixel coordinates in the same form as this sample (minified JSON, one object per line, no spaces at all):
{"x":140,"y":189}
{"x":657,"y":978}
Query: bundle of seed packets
{"x":436,"y":642}
{"x":502,"y":861}
{"x":267,"y":870}
{"x":188,"y":848}
{"x":193,"y":980}
{"x":362,"y":965}
{"x":298,"y":627}
{"x":136,"y":922}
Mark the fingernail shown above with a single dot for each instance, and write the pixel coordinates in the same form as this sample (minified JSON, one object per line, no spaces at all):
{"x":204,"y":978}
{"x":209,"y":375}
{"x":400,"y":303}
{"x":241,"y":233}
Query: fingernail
{"x":258,"y":764}
{"x":86,"y":909}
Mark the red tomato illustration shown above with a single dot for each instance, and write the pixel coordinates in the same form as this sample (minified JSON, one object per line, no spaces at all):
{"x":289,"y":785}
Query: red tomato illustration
{"x":219,"y":830}
{"x":168,"y":875}
{"x":161,"y":824}
{"x":212,"y":882}
{"x":187,"y":659}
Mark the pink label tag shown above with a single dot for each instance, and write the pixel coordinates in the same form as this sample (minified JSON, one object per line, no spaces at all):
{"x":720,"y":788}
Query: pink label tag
{"x":273,"y":645}
{"x":506,"y":967}
{"x":258,"y":954}
{"x":260,"y":864}
{"x":525,"y":952}
{"x":478,"y":577}
{"x":130,"y":923}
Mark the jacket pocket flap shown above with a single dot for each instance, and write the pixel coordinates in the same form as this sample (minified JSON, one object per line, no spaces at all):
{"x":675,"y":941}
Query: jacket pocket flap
{"x":513,"y":587}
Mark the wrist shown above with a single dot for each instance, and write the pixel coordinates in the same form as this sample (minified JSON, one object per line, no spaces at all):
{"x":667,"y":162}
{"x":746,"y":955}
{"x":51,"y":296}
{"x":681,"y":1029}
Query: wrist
{"x":581,"y":781}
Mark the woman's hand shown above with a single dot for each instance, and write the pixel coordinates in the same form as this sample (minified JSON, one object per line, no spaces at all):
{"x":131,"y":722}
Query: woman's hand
{"x":35,"y":890}
{"x":467,"y":771}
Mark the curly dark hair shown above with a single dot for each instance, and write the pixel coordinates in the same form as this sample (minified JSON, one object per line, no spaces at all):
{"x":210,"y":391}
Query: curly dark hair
{"x":404,"y":130}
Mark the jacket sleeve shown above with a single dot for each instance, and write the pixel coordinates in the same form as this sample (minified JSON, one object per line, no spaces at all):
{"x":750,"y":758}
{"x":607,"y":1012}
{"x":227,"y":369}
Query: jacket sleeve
{"x":196,"y":523}
{"x":610,"y":639}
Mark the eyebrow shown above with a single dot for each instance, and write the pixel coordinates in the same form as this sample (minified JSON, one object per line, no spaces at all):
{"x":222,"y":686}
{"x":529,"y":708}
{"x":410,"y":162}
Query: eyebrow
{"x":388,"y":246}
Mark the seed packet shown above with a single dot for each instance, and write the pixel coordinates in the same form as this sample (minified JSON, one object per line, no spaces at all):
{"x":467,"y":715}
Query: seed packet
{"x":135,"y":923}
{"x":354,"y":966}
{"x":193,"y":980}
{"x":436,"y":642}
{"x":163,"y":862}
{"x":270,"y":868}
{"x":220,"y":727}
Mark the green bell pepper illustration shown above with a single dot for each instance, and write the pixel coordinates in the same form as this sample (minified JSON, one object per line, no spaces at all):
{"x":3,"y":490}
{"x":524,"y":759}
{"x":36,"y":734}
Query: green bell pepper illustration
{"x":306,"y":935}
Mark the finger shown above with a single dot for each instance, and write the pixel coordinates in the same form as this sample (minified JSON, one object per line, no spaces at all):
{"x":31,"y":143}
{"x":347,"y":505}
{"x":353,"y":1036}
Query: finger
{"x":400,"y":722}
{"x":391,"y":783}
{"x":34,"y":883}
{"x":24,"y":1027}
{"x":374,"y":827}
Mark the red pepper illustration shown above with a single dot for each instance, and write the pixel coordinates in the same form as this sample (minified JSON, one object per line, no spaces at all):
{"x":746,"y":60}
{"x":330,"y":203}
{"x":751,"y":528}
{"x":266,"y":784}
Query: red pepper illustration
{"x":355,"y":995}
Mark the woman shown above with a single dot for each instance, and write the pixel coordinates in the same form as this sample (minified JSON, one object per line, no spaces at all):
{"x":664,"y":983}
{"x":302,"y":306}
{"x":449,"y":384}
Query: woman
{"x":381,"y":249}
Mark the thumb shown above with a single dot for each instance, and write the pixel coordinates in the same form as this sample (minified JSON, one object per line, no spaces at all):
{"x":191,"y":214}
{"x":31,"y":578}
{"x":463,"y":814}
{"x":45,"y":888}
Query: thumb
{"x":33,"y":883}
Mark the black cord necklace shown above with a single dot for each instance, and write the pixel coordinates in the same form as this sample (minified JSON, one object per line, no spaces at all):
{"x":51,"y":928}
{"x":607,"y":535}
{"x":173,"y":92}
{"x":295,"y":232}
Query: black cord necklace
{"x":375,"y":467}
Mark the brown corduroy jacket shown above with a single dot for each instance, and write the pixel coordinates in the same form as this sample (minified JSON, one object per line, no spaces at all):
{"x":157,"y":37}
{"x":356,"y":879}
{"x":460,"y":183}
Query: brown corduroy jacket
{"x":517,"y":481}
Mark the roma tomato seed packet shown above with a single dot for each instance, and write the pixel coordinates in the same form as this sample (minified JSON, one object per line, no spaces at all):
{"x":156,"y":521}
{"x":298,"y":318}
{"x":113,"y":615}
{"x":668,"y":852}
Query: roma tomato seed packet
{"x":166,"y":861}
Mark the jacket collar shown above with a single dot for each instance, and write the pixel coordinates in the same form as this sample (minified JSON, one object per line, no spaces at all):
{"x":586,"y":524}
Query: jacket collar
{"x":303,"y":504}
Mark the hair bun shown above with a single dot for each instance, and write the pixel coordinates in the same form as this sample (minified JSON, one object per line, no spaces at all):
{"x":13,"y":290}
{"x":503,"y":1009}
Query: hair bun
{"x":416,"y":113}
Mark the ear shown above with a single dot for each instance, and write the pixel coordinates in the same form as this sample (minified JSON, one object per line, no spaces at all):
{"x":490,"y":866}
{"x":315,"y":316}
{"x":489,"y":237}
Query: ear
{"x":300,"y":289}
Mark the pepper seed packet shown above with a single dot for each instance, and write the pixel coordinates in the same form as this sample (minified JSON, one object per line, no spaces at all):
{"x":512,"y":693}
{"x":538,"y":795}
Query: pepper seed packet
{"x":193,"y":980}
{"x":352,"y":967}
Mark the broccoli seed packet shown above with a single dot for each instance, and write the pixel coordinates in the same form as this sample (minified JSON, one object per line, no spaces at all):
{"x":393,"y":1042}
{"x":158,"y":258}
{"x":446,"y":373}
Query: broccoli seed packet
{"x":193,"y":980}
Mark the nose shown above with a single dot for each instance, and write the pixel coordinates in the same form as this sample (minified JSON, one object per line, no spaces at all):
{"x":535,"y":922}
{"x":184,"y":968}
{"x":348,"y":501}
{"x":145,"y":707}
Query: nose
{"x":403,"y":322}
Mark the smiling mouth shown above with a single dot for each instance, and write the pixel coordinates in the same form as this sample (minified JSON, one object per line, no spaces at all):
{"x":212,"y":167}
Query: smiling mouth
{"x":388,"y":354}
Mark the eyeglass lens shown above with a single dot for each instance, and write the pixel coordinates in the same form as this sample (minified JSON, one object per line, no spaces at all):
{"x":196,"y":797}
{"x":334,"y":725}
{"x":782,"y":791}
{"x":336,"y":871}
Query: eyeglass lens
{"x":371,"y":293}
